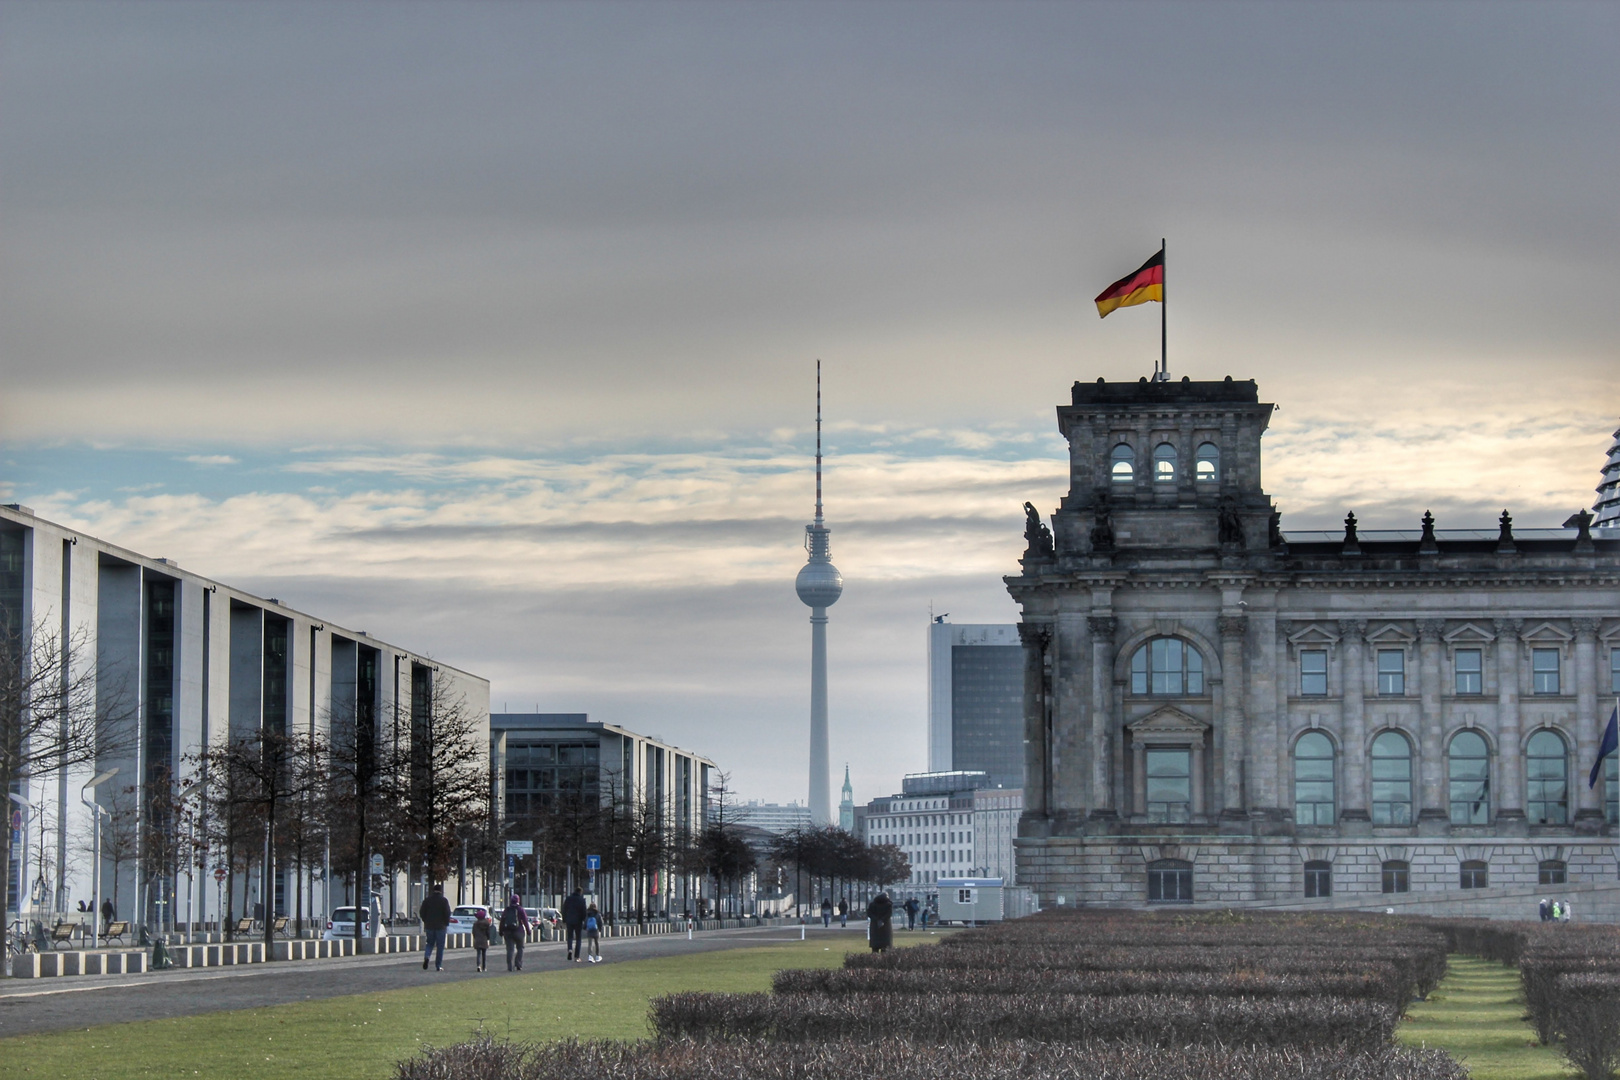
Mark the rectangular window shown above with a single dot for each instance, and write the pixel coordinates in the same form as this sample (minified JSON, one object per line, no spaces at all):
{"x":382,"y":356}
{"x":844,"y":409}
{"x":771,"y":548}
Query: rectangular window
{"x":1169,"y":783}
{"x":1552,"y":873}
{"x":1318,"y":882}
{"x":1614,"y":671}
{"x":1469,"y":671}
{"x":1474,"y":875}
{"x":1611,"y":789}
{"x":1544,"y":667}
{"x":1391,"y":672}
{"x":1170,"y":885}
{"x":1313,"y":673}
{"x":1397,"y":878}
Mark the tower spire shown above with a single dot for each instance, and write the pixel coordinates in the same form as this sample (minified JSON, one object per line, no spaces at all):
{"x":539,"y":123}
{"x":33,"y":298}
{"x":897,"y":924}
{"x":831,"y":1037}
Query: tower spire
{"x":819,"y":586}
{"x":818,"y":442}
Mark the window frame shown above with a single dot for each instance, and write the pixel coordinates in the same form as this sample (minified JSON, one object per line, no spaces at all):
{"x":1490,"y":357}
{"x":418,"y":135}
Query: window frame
{"x":1165,"y":454}
{"x":1396,"y":875}
{"x":1127,"y":459}
{"x":1318,"y":879}
{"x":1391,"y":816}
{"x":1331,"y":782}
{"x":1482,"y":796}
{"x":1458,"y":672}
{"x":1305,"y":688}
{"x":1532,"y":780}
{"x":1161,"y":871}
{"x":1474,"y":874}
{"x":1167,"y":812}
{"x":1145,"y":675}
{"x":1391,"y":682}
{"x":1546,"y":682}
{"x":1212,"y":458}
{"x":1552,"y":872}
{"x":1614,"y":670}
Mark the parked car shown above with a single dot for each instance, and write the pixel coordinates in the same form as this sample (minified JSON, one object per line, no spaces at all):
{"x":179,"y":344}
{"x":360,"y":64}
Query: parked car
{"x":549,"y":915}
{"x":461,"y":919}
{"x":343,"y":923}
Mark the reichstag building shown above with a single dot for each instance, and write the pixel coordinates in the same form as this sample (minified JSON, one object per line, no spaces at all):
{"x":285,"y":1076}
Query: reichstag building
{"x":1220,"y":711}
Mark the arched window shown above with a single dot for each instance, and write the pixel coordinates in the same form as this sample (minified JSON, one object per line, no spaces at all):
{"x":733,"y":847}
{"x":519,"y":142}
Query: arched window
{"x":1468,"y":768}
{"x":1547,"y":778}
{"x":1207,"y":468}
{"x":1164,"y":464}
{"x":1123,"y":467}
{"x":1313,"y":780}
{"x":1397,"y":876}
{"x":1318,"y":879}
{"x":1170,"y":881}
{"x":1552,"y":872}
{"x":1167,"y":666}
{"x":1391,"y":780}
{"x":1475,"y":874}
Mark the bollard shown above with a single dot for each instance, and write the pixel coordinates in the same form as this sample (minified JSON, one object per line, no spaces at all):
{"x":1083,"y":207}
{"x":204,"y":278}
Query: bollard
{"x":801,"y":930}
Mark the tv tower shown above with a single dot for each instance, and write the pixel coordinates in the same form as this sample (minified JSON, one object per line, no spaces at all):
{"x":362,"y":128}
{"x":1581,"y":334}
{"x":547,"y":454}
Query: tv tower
{"x":819,"y":585}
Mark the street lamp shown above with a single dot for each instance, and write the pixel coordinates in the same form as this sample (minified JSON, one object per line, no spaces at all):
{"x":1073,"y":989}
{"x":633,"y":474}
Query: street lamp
{"x":96,"y":811}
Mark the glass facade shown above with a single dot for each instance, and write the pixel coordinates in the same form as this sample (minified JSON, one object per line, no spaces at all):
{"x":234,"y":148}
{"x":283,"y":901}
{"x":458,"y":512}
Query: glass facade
{"x":540,"y":774}
{"x":275,"y":673}
{"x":1313,"y":780}
{"x":987,"y":711}
{"x":1468,"y":771}
{"x":159,"y":719}
{"x":12,"y":623}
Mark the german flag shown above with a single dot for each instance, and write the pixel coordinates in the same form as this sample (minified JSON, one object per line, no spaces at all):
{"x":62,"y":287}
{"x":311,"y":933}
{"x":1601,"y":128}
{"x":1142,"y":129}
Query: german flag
{"x":1135,"y":288}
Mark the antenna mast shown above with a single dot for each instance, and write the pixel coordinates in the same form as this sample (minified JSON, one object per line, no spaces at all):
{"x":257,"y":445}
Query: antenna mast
{"x":818,"y":442}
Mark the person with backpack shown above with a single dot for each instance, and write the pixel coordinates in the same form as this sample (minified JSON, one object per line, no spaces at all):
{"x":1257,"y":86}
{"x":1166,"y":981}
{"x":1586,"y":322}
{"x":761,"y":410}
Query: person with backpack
{"x":514,"y":929}
{"x":573,"y":916}
{"x":483,"y":926}
{"x":593,"y":933}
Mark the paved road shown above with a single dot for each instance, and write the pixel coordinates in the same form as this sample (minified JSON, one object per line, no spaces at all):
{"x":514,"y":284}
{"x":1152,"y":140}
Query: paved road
{"x":35,"y":1005}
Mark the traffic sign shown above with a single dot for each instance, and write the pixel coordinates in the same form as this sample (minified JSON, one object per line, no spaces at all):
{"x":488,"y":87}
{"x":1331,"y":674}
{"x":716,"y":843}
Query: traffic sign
{"x":376,"y":864}
{"x":520,"y":847}
{"x":593,"y":863}
{"x":219,"y":873}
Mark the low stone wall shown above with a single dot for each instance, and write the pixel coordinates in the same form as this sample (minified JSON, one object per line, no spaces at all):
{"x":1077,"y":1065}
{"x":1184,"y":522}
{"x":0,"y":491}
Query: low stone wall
{"x":78,"y":962}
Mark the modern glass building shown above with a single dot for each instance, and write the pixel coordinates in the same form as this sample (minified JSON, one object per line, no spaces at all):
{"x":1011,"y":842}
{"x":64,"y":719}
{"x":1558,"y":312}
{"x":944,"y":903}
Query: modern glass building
{"x":976,"y":700}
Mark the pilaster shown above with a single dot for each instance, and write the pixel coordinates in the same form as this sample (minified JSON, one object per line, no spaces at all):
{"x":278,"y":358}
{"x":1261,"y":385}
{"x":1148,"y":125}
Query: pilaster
{"x":1433,"y":817}
{"x":1353,"y":816}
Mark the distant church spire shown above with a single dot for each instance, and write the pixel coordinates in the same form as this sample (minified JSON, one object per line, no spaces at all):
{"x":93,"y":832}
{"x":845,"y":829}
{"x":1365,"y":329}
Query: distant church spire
{"x":1607,"y":507}
{"x":846,"y":805}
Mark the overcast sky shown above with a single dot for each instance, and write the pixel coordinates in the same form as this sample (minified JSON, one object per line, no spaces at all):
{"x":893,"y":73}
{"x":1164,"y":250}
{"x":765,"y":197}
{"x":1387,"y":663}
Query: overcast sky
{"x":492,"y":327}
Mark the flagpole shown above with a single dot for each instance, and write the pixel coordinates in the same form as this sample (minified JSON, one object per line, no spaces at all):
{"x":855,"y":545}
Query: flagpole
{"x":1164,"y":315}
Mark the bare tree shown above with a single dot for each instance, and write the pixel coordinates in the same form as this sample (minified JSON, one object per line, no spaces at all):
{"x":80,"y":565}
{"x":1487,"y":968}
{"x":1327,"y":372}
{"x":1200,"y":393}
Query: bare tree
{"x":120,"y":836}
{"x":53,"y":714}
{"x":447,"y":784}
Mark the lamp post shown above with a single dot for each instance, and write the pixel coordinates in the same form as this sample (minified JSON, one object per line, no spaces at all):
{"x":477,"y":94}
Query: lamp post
{"x":87,"y":797}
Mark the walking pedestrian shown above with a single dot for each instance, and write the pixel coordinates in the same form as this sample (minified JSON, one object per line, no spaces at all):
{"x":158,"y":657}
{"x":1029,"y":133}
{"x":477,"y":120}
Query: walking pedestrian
{"x":108,"y":913}
{"x":911,"y":907}
{"x":1557,"y":911}
{"x":826,"y":912}
{"x":879,"y":928}
{"x":1546,"y":909}
{"x":1569,"y":911}
{"x":843,"y":911}
{"x":573,"y":915}
{"x":514,"y":929}
{"x":593,"y":933}
{"x":435,"y":916}
{"x":483,"y":926}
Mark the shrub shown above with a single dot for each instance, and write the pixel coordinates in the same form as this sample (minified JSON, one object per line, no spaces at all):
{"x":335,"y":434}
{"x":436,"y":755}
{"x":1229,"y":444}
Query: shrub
{"x":1156,"y":1019}
{"x":1586,"y":1016}
{"x":900,"y":1060}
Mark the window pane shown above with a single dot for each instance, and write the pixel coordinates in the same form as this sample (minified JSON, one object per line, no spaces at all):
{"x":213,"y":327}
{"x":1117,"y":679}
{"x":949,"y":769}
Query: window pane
{"x":1123,"y":469}
{"x":1467,"y":668}
{"x":1164,"y":463}
{"x":1391,"y":671}
{"x":1313,"y":672}
{"x":1209,"y":463}
{"x":1545,"y":670}
{"x":1614,"y":671}
{"x":1546,"y":780}
{"x":1195,"y":671}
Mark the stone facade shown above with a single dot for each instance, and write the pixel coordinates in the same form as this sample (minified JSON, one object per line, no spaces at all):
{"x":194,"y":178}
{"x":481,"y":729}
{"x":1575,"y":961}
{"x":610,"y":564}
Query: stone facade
{"x":1261,"y":717}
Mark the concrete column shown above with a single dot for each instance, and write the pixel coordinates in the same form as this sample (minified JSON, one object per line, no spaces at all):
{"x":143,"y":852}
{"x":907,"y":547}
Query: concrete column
{"x":1037,"y":730}
{"x":1261,"y":711}
{"x":1138,"y":778}
{"x":1233,"y":802}
{"x":1353,"y":673}
{"x":1433,"y":817}
{"x":1588,"y":725}
{"x":1510,"y":800}
{"x":1102,"y":628}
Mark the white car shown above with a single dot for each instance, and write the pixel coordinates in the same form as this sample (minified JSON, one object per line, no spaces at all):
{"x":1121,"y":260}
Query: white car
{"x":343,"y":923}
{"x":461,"y":919}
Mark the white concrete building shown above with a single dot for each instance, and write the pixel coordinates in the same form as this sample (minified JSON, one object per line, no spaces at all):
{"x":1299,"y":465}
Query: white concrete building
{"x":197,"y":663}
{"x":949,"y":825}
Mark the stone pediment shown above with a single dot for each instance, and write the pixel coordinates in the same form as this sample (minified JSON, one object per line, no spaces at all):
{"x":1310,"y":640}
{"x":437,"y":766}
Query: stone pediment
{"x":1312,"y":634}
{"x":1547,"y":634}
{"x":1167,"y":723}
{"x":1468,"y":634}
{"x":1390,"y":634}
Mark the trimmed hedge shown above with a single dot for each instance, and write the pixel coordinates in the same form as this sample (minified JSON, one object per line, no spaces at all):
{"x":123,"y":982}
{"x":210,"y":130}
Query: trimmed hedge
{"x":893,"y":1059}
{"x":1585,"y":1013}
{"x":1155,"y":1019}
{"x":1377,"y":982}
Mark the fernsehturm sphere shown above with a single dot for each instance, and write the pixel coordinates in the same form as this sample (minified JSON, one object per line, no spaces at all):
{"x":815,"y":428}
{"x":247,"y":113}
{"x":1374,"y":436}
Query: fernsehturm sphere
{"x":819,"y":585}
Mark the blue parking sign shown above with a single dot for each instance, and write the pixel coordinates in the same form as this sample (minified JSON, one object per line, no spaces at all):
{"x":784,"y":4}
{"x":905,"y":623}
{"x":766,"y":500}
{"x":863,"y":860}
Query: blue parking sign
{"x":593,"y":862}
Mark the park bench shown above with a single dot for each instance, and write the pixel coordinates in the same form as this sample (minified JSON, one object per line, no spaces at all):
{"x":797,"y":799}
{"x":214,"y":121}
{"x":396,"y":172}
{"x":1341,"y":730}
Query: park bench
{"x":280,"y":925}
{"x":62,"y":933}
{"x":244,"y":925}
{"x":115,"y":930}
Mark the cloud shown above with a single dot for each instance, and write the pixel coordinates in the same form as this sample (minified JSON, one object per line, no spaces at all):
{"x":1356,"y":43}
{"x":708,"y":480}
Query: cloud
{"x":211,"y":459}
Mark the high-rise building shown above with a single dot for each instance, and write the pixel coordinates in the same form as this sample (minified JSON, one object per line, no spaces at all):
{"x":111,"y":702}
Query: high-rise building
{"x":772,"y":817}
{"x":819,"y":586}
{"x":976,"y":700}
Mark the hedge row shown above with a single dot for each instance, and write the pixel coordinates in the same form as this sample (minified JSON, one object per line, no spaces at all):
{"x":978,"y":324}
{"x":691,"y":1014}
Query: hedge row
{"x":1377,"y":982}
{"x":487,"y":1059}
{"x":1156,"y":1019}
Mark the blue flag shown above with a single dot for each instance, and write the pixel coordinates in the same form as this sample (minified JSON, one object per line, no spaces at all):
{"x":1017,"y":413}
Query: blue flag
{"x":1611,"y":743}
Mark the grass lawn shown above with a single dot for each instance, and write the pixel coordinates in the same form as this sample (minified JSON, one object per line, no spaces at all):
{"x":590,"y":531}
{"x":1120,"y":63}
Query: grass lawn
{"x":1476,"y":1014}
{"x":364,"y":1035}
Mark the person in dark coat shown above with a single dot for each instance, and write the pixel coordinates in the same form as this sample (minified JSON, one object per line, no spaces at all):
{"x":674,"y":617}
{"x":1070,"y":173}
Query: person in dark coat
{"x":911,"y":907}
{"x":483,"y":926}
{"x":843,"y":911}
{"x":879,"y":927}
{"x":435,"y":915}
{"x":514,"y":929}
{"x":108,"y":913}
{"x":1546,"y":909}
{"x":573,"y":915}
{"x":826,"y":911}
